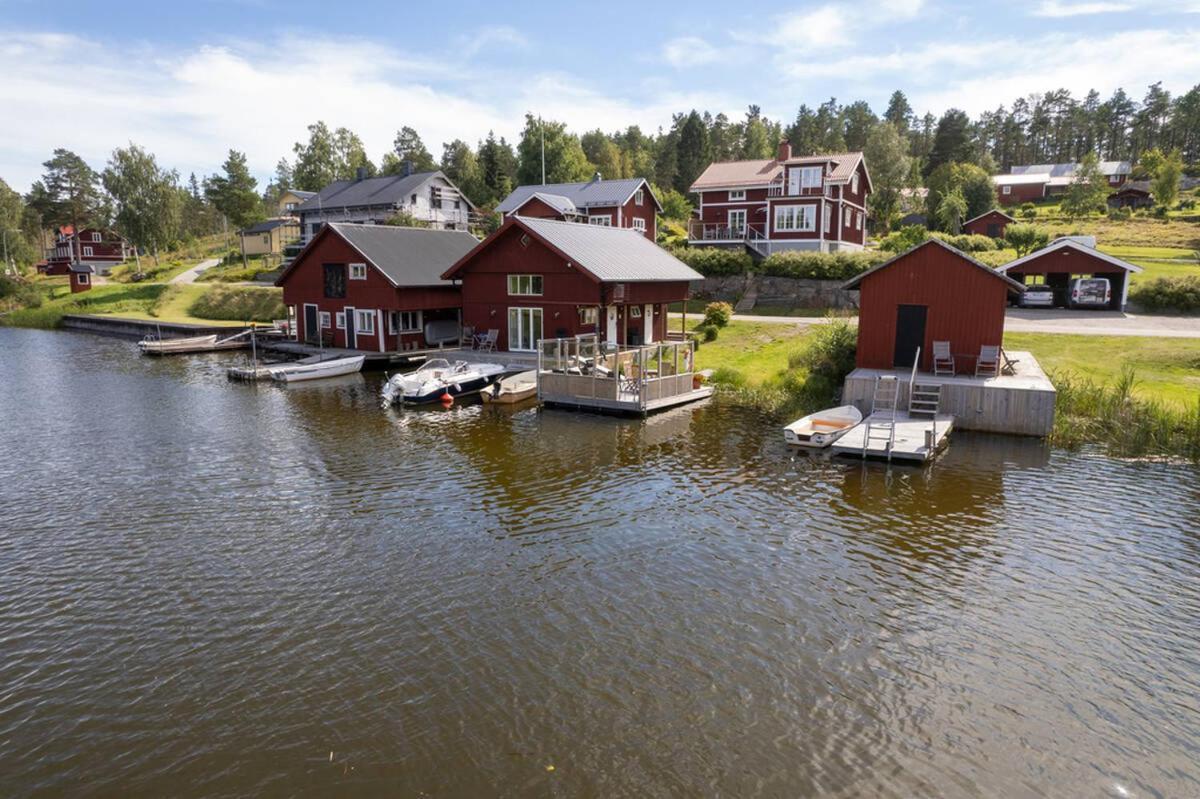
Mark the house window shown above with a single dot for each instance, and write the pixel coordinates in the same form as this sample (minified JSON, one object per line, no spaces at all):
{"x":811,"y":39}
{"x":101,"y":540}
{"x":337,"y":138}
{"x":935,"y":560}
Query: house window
{"x":828,"y":219}
{"x":358,"y":271}
{"x":83,"y":278}
{"x":324,"y":316}
{"x":589,"y":315}
{"x":87,"y":251}
{"x":95,"y":236}
{"x":639,"y":224}
{"x":740,"y":194}
{"x":335,"y":281}
{"x":639,"y":197}
{"x":854,"y":183}
{"x":289,"y":206}
{"x":858,"y":220}
{"x":404,"y":322}
{"x":604,"y":220}
{"x":810,"y":177}
{"x":635,"y":312}
{"x":1006,"y":189}
{"x":848,"y":217}
{"x":1114,"y":178}
{"x":364,"y":322}
{"x":796,"y":218}
{"x":341,"y":320}
{"x":525,"y":285}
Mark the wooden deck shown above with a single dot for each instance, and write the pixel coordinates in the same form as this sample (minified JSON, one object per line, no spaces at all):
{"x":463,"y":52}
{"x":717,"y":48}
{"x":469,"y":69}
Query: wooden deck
{"x":373,"y":359}
{"x":912,"y":441}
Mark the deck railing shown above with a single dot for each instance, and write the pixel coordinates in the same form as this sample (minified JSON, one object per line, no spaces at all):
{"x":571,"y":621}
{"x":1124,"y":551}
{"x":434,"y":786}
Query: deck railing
{"x":723,"y":232}
{"x":586,"y":371}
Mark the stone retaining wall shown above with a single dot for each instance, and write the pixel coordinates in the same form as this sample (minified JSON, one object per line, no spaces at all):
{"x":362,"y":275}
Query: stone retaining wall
{"x":785,"y":291}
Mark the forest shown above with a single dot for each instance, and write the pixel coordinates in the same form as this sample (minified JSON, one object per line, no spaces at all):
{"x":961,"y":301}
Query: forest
{"x":153,"y":206}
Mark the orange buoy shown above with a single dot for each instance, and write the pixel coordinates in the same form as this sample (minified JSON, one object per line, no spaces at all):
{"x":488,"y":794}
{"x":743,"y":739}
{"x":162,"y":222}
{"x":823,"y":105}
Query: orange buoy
{"x":447,"y":398}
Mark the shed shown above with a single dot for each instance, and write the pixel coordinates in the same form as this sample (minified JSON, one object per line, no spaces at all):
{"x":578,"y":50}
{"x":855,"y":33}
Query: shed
{"x":81,"y":277}
{"x":1131,"y":195}
{"x":1065,"y":258}
{"x":932,"y":292}
{"x":991,"y":223}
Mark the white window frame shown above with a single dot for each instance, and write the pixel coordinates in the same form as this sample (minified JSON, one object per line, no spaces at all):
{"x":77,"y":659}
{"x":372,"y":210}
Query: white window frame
{"x":603,"y":220}
{"x":635,"y":312}
{"x":639,"y":224}
{"x":522,"y":311}
{"x":806,"y":180}
{"x":358,"y":271}
{"x":364,"y":322}
{"x":847,"y":217}
{"x":858,"y":220}
{"x":589,"y":315}
{"x":396,"y":321}
{"x":97,"y":237}
{"x":88,"y":252}
{"x":854,"y":184}
{"x":1006,"y":189}
{"x":83,"y":278}
{"x":523,"y":285}
{"x":323,"y":320}
{"x":639,"y":197}
{"x":737,"y":195}
{"x":795,"y":218}
{"x":1114,"y":178}
{"x":828,"y":214}
{"x":740,"y":213}
{"x":340,"y":320}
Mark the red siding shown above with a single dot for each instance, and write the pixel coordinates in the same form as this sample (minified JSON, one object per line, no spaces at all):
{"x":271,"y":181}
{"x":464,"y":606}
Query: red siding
{"x":1021,"y":193}
{"x":78,"y":284}
{"x":304,"y":284}
{"x":536,"y":208}
{"x":983,"y":225}
{"x":646,"y":212}
{"x":965,"y":306}
{"x":1067,"y":261}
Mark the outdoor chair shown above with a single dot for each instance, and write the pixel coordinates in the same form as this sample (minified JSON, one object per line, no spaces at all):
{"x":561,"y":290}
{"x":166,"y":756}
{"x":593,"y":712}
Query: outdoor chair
{"x":943,"y":361}
{"x":487,"y":341}
{"x":467,"y":337}
{"x":988,"y":362}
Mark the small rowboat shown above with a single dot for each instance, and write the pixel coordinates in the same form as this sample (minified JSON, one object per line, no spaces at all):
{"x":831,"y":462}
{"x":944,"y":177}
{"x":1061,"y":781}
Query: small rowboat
{"x":512,"y":389}
{"x":180,"y":346}
{"x":316,"y":371}
{"x":820,"y":429}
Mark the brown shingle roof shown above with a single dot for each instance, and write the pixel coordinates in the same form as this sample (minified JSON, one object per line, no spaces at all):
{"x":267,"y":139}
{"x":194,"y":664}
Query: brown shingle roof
{"x":737,"y":174}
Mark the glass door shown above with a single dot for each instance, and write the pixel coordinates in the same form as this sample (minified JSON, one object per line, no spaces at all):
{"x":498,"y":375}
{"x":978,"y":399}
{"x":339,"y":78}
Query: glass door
{"x":737,"y":221}
{"x":524,"y":328}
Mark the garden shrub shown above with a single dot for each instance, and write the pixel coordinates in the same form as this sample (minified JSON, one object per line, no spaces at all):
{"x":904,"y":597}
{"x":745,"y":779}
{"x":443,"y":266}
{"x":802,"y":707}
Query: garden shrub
{"x":728,"y":376}
{"x":967,"y":242}
{"x":905,"y":238}
{"x":18,"y":293}
{"x":1120,"y":214}
{"x":1168,"y":294}
{"x":717,"y":314}
{"x":710,"y":333}
{"x":714,"y":261}
{"x":239,"y":304}
{"x":821,"y":265}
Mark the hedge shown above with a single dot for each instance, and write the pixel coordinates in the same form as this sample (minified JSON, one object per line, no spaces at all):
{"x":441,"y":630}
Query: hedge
{"x":714,"y":261}
{"x":908,"y":237}
{"x":1168,"y":294}
{"x":821,"y":265}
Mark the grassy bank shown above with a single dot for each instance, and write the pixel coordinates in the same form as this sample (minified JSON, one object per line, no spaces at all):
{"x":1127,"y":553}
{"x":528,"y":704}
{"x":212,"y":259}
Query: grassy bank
{"x":171,"y":262}
{"x":58,"y":301}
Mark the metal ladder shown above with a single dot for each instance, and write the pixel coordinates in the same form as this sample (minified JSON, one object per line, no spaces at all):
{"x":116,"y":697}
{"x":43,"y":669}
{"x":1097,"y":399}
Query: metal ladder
{"x":881,"y":424}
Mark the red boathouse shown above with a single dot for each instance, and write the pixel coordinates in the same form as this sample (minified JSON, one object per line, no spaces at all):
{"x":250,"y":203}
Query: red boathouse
{"x":543,"y":278}
{"x":992,"y":224}
{"x":932,"y":292}
{"x":375,"y":287}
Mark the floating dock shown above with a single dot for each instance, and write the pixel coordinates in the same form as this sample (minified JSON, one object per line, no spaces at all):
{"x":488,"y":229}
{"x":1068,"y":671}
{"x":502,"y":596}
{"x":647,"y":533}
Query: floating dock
{"x":917,"y":438}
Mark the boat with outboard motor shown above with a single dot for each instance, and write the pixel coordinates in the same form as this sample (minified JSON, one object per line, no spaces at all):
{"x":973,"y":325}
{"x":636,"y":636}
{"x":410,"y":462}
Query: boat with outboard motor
{"x":437,"y":378}
{"x":512,"y":389}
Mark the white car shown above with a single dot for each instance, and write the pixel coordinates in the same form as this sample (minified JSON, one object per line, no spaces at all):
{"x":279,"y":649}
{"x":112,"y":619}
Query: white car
{"x":1090,"y":292}
{"x":1038,"y":296}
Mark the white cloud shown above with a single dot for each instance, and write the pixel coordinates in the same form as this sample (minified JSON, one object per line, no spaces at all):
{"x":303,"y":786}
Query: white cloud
{"x":834,"y":25}
{"x":491,"y":36}
{"x":1054,"y":8}
{"x":690,"y":51}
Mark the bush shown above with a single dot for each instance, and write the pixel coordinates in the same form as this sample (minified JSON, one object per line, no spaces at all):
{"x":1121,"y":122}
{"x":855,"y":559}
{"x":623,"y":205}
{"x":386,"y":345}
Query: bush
{"x":1029,"y":213}
{"x":715,"y":262}
{"x":710,"y":333}
{"x":1187,"y":205}
{"x":967,"y":242}
{"x":1120,"y":214}
{"x":904,"y":239}
{"x":821,"y":265}
{"x":728,"y":376}
{"x":1180,"y":294}
{"x":717,"y":314}
{"x":18,"y":293}
{"x":239,"y":304}
{"x":829,"y":352}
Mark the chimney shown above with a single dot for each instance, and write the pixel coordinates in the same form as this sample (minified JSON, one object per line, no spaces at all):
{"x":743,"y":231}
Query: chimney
{"x":406,"y":170}
{"x":785,"y":151}
{"x":360,"y":173}
{"x":596,"y":178}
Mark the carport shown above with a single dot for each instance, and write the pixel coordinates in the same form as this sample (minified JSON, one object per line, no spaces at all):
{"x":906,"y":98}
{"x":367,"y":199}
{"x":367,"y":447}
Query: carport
{"x":1064,"y":259}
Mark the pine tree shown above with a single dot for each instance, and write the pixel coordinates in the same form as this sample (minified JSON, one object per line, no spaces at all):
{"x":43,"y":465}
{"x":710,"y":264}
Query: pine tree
{"x":234,"y":194}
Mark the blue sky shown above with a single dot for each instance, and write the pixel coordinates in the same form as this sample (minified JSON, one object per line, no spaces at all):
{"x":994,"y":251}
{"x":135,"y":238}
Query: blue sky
{"x":190,"y":80}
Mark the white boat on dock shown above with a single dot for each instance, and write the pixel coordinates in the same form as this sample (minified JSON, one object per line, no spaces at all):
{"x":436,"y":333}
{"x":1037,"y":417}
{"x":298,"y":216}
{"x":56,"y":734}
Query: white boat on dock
{"x":819,"y":430}
{"x":512,"y":389}
{"x":437,"y":378}
{"x":192,"y":344}
{"x":315,"y":371}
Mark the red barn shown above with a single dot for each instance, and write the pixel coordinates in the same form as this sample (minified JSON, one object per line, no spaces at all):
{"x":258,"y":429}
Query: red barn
{"x":81,"y":277}
{"x":542,"y":278}
{"x":1063,"y":259}
{"x":931,"y":293}
{"x":375,"y":287}
{"x":992,"y":224}
{"x":625,"y":203}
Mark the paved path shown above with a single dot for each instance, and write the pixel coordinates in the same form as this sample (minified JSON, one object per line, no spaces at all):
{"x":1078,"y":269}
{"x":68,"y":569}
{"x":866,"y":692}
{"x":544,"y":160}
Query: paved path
{"x":1029,"y":320}
{"x":190,"y":275}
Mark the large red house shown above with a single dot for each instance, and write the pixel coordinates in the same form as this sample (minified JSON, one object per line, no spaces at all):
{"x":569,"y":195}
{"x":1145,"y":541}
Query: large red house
{"x":624,"y":203}
{"x":100,"y":249}
{"x":812,"y":202}
{"x":542,"y":278}
{"x":1029,"y":182}
{"x":375,"y":287}
{"x":932,"y":292}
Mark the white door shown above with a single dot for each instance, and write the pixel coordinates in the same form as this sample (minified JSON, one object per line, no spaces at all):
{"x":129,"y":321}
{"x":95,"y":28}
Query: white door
{"x":793,"y":181}
{"x":737,"y":221}
{"x":524,"y":328}
{"x":611,"y":330}
{"x":648,"y":324}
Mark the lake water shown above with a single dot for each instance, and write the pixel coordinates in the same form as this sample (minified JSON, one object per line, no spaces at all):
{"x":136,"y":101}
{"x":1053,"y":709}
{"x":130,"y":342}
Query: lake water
{"x":217,"y":588}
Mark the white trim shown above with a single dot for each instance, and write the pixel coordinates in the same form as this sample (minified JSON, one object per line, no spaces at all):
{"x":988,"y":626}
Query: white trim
{"x":339,"y":319}
{"x":361,"y":315}
{"x":521,"y":311}
{"x":352,"y":268}
{"x":97,"y":236}
{"x":379,"y":327}
{"x":732,"y":192}
{"x":985,"y":213}
{"x":638,"y":224}
{"x":88,"y":252}
{"x":324,"y":320}
{"x":1006,"y":189}
{"x":639,"y":196}
{"x":805,"y":218}
{"x":508,"y":284}
{"x":729,"y":218}
{"x":304,"y":315}
{"x":83,"y":279}
{"x":648,"y":324}
{"x":1074,"y":245}
{"x":594,"y":219}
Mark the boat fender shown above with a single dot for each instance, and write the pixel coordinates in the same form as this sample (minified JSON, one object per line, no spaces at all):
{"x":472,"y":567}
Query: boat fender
{"x":447,"y":398}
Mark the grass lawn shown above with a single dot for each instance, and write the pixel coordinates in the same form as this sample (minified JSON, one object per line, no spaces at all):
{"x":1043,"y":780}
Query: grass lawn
{"x":1167,"y":369}
{"x":758,"y":350}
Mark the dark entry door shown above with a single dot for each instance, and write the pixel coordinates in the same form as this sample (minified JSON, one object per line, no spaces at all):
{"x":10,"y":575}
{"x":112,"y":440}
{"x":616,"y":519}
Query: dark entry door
{"x":311,"y":324}
{"x":910,"y":333}
{"x":351,"y":333}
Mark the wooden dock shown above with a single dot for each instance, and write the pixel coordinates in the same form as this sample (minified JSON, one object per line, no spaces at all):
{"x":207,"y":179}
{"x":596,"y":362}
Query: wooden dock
{"x":917,"y":439}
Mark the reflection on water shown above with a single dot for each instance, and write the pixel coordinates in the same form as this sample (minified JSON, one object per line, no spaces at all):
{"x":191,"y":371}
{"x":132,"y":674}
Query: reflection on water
{"x":214,"y":587}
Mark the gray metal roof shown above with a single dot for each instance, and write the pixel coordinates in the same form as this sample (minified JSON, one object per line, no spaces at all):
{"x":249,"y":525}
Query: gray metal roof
{"x":303,"y":195}
{"x":408,"y":256}
{"x":1068,"y":169}
{"x":556,"y":201}
{"x":1013,"y":286}
{"x":269,"y":224}
{"x":75,"y":266}
{"x":389,"y":191}
{"x":583,"y":195}
{"x":612,"y":254}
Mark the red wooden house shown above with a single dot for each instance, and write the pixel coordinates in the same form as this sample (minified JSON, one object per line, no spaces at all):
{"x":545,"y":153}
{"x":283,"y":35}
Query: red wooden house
{"x":932,"y":292}
{"x":1029,"y":182}
{"x":542,"y":278}
{"x":624,"y":203}
{"x":375,"y":287}
{"x":101,"y":249}
{"x":81,"y":277}
{"x":991,"y":223}
{"x":813,"y":202}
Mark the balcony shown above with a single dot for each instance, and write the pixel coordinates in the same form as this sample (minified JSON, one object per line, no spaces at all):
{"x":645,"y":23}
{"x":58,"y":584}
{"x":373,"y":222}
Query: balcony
{"x":780,"y":188}
{"x":723,"y":233}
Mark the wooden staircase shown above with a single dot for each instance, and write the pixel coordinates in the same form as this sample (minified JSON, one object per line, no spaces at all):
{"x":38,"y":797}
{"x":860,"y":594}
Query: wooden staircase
{"x":749,"y":295}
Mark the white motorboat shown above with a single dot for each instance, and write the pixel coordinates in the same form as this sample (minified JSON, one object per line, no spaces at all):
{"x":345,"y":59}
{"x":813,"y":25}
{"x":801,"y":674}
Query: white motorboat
{"x":511,"y":389}
{"x":315,"y":371}
{"x":436,"y":378}
{"x":820,"y":429}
